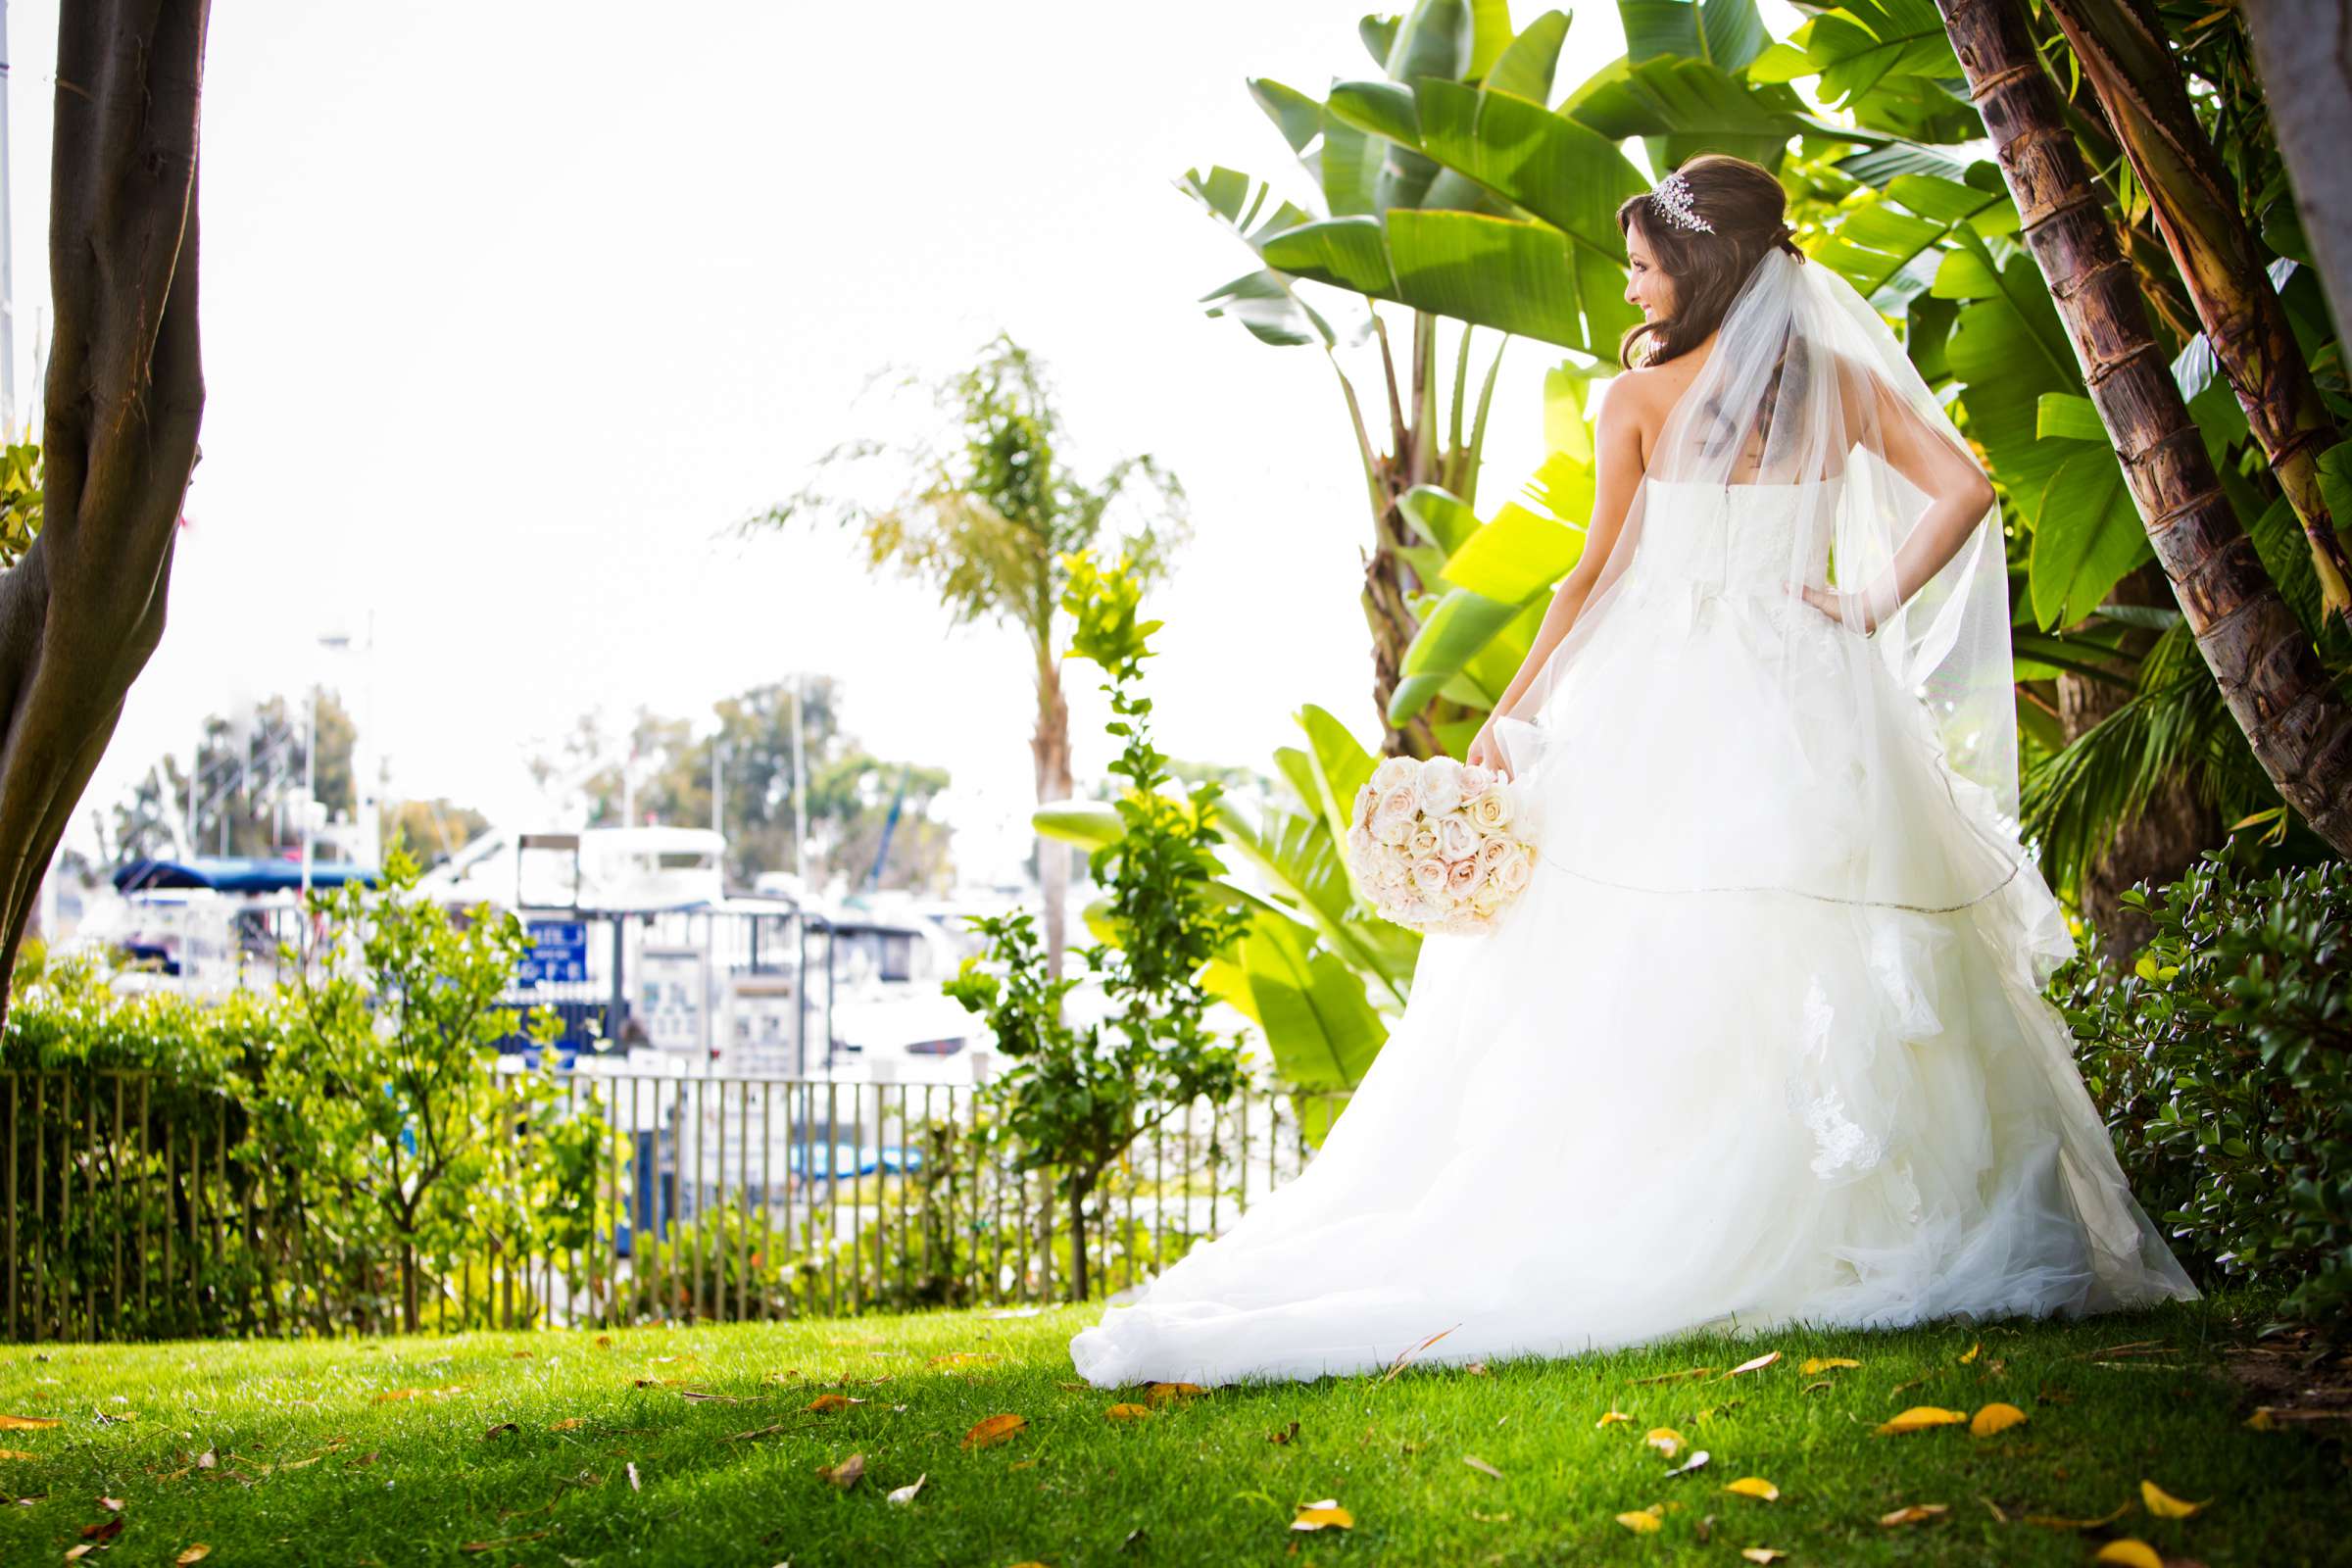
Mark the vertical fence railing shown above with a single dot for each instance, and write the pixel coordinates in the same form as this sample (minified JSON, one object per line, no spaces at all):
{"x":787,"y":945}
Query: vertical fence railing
{"x":139,"y":1209}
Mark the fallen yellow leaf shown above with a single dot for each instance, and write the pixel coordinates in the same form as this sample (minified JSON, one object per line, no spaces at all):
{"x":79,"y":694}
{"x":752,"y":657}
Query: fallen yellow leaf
{"x":195,"y":1553}
{"x":17,"y":1453}
{"x":1970,"y":1353}
{"x":2261,"y":1420}
{"x":24,"y":1423}
{"x":1755,"y":1487}
{"x":1757,"y":1365}
{"x":1324,"y":1515}
{"x":1127,"y":1412}
{"x":1823,"y":1364}
{"x":1665,"y":1440}
{"x":1762,"y":1554}
{"x":2163,"y":1505}
{"x":1162,"y":1392}
{"x":1643,"y":1522}
{"x":1611,"y":1418}
{"x":395,"y":1396}
{"x":826,"y":1404}
{"x":962,"y":1357}
{"x":1995,"y":1417}
{"x":1919,"y":1418}
{"x":995,"y":1429}
{"x":571,"y":1423}
{"x":2131,"y":1553}
{"x":604,"y":1341}
{"x":846,"y":1474}
{"x":1914,"y":1514}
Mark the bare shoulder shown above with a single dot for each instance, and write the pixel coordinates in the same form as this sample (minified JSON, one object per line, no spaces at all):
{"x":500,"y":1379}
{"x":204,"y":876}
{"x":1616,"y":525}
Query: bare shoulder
{"x":1639,"y":398}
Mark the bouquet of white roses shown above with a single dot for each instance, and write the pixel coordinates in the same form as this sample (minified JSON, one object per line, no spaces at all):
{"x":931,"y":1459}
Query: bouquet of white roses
{"x":1433,"y":842}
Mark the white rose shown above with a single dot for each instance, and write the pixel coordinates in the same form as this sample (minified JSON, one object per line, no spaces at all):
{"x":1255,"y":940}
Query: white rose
{"x":1439,"y":785}
{"x":1423,"y":842}
{"x":1487,"y":898}
{"x":1392,"y":772}
{"x":1456,"y":838}
{"x":1401,"y":800}
{"x":1360,"y":843}
{"x":1492,"y":808}
{"x":1461,"y":875}
{"x":1367,"y":799}
{"x":1391,"y":827}
{"x":1515,"y":871}
{"x":1476,"y":777}
{"x":1428,"y":874}
{"x":1492,"y":852}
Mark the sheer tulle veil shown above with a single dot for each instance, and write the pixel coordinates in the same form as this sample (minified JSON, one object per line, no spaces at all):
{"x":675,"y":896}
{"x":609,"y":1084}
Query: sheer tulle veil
{"x":1795,"y":424}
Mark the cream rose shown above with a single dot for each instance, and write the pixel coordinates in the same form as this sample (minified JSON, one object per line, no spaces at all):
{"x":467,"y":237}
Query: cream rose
{"x":1461,"y":875}
{"x":1476,"y":777}
{"x":1428,"y":874}
{"x":1393,"y":773}
{"x":1494,"y":852}
{"x":1367,"y":801}
{"x":1492,"y":808}
{"x":1439,"y":785}
{"x":1513,"y":873}
{"x":1456,"y":838}
{"x":1423,"y":842}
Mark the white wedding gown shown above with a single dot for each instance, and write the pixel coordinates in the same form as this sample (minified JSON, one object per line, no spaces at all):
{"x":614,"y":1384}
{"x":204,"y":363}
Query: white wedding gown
{"x":1690,"y":1080}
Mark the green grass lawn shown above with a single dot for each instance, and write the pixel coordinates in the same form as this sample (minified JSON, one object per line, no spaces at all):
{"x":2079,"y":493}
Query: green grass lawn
{"x":700,"y":1446}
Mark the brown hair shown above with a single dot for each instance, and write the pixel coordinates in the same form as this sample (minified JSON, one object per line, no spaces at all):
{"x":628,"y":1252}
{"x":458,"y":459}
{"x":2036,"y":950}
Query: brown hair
{"x":1749,"y":212}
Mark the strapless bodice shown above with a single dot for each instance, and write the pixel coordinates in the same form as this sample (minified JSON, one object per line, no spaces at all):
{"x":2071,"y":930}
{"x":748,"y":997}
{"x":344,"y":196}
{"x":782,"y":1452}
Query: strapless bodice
{"x":1738,"y":538}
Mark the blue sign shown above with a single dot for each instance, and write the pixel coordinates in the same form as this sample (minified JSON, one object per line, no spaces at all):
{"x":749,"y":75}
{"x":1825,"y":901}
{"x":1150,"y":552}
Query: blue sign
{"x":559,"y":952}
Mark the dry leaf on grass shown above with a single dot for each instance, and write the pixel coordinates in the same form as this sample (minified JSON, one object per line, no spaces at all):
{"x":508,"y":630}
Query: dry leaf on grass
{"x":1324,"y":1515}
{"x":604,"y":1341}
{"x":1969,"y":1355}
{"x":1671,"y":1377}
{"x":1919,"y":1418}
{"x":1162,"y":1392}
{"x":1916,"y":1513}
{"x":1995,"y":1417}
{"x":396,"y":1395}
{"x":1762,"y":1554}
{"x":2129,"y":1553}
{"x":1823,"y":1364}
{"x":24,"y":1423}
{"x":1405,"y":1359}
{"x":1697,"y":1461}
{"x":1665,"y":1440}
{"x":1757,"y":1365}
{"x":1754,"y":1487}
{"x":1476,"y":1369}
{"x":194,"y":1553}
{"x":1611,"y":1418}
{"x":479,"y":1546}
{"x":2163,"y":1505}
{"x":1285,"y":1435}
{"x":635,"y":1485}
{"x":1127,"y":1412}
{"x":994,"y":1429}
{"x":964,"y":1357}
{"x":104,"y":1531}
{"x":110,"y":1504}
{"x":1644,"y":1521}
{"x":826,"y":1404}
{"x":17,"y":1453}
{"x":571,"y":1423}
{"x":846,"y":1474}
{"x":905,"y":1493}
{"x":1481,"y":1466}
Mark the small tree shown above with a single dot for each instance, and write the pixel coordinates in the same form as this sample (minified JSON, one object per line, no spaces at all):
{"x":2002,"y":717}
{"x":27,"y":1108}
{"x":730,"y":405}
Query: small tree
{"x":390,"y":1092}
{"x":1075,"y":1099}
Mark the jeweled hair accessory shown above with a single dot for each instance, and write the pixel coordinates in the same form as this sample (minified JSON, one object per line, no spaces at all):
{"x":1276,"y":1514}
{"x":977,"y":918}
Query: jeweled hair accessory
{"x":1673,"y":198}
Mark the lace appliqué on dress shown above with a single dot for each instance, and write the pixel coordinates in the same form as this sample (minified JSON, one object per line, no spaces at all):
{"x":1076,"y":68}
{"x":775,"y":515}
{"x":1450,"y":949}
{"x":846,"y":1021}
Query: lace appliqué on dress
{"x":1841,"y":1145}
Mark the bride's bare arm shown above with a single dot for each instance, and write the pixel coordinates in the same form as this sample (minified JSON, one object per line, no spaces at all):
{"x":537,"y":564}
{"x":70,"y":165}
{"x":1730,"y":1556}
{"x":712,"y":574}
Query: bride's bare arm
{"x":1959,"y":495}
{"x":1617,"y":475}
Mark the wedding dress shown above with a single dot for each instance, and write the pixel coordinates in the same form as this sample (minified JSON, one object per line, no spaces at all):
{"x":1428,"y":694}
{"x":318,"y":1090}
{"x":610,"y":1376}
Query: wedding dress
{"x":1763,"y":1041}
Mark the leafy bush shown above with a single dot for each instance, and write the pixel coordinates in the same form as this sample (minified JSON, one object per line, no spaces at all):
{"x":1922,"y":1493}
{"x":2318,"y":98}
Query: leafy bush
{"x":2221,"y":1060}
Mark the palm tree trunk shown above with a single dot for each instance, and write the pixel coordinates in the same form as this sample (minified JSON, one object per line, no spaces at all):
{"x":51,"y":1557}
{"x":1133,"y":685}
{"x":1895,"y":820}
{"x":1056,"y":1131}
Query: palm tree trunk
{"x":2270,"y":676}
{"x":2130,"y":67}
{"x":2303,"y":49}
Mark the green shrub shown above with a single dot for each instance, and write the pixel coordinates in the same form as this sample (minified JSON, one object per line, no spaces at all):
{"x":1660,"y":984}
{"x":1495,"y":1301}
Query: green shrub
{"x":2222,"y":1059}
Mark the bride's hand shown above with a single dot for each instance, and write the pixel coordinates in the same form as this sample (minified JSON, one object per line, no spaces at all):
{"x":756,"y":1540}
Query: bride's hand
{"x":1831,"y":603}
{"x":1485,"y":750}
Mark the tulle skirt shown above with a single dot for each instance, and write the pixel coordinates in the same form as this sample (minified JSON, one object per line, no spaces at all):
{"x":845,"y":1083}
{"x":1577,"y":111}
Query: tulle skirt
{"x":1762,"y":1043}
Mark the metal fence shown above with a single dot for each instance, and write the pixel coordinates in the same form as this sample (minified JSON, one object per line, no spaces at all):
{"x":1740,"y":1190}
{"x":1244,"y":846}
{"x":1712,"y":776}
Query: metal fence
{"x":142,"y":1207}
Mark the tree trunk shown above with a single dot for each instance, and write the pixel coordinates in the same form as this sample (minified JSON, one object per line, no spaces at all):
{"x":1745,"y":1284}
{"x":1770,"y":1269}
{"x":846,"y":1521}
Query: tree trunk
{"x":409,"y":1314}
{"x":1078,"y":1276}
{"x":2130,"y":67}
{"x":83,"y":608}
{"x":2303,"y":50}
{"x":1050,"y":750}
{"x":2270,"y":676}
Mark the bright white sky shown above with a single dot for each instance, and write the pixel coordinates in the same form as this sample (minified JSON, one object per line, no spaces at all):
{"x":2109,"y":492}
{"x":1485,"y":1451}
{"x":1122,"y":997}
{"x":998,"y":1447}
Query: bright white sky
{"x":509,"y":309}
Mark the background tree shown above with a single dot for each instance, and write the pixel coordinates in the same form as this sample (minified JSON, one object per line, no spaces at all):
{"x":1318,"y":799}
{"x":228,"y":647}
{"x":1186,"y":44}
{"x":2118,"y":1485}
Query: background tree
{"x":82,"y":610}
{"x":250,"y":774}
{"x":986,"y":515}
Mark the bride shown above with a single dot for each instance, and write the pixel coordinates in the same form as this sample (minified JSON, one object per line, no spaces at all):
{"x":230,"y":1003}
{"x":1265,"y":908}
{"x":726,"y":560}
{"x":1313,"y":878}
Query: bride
{"x":1763,"y":1040}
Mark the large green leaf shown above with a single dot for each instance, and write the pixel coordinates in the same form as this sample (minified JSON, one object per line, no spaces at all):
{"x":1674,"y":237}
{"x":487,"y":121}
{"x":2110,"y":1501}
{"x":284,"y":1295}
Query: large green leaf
{"x":1515,"y":556}
{"x":2086,"y":537}
{"x":1527,"y":67}
{"x":1568,"y":174}
{"x":1342,"y":765}
{"x":1727,"y":34}
{"x":1301,"y":865}
{"x":1439,"y":516}
{"x":1864,"y":45}
{"x":1688,"y":107}
{"x":1321,"y":1029}
{"x":1451,"y":634}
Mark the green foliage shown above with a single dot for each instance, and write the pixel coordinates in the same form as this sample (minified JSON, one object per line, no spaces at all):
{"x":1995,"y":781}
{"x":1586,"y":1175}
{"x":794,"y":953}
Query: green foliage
{"x":1075,"y":1097}
{"x":387,"y":1094}
{"x":20,"y":500}
{"x":2222,"y":1059}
